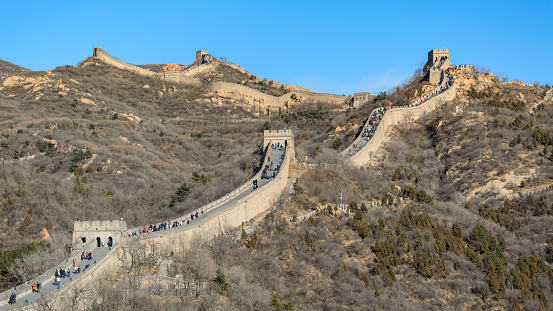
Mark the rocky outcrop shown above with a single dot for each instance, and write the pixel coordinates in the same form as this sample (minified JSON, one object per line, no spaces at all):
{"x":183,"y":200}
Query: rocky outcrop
{"x":171,"y":67}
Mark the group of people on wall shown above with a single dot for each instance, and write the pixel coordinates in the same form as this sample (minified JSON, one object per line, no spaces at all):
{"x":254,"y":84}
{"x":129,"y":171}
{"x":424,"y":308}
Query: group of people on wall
{"x":377,"y":115}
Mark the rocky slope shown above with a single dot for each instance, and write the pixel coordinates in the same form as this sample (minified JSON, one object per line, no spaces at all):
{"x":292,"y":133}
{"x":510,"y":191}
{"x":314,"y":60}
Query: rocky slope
{"x":8,"y":69}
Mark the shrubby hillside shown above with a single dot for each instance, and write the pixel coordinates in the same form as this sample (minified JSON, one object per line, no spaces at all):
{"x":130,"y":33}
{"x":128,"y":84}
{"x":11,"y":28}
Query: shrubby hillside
{"x":95,"y":142}
{"x":110,"y":144}
{"x":475,"y":176}
{"x":8,"y":69}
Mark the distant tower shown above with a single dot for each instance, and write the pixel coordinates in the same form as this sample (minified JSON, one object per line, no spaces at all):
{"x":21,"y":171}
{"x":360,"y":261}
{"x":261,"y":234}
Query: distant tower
{"x":361,"y":98}
{"x":200,"y":56}
{"x":96,"y":50}
{"x":438,"y":60}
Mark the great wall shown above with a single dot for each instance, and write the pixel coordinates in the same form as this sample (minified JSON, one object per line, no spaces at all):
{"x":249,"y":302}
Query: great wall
{"x":363,"y":149}
{"x":221,"y":216}
{"x":224,"y":214}
{"x":266,"y":101}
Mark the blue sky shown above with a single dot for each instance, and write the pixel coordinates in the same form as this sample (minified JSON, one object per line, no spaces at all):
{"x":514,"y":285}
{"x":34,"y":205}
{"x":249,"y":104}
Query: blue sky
{"x":327,"y":46}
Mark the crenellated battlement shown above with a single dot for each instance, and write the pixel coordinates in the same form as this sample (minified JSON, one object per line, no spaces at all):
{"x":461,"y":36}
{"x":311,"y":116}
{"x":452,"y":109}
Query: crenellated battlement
{"x":438,"y":61}
{"x":100,"y":225}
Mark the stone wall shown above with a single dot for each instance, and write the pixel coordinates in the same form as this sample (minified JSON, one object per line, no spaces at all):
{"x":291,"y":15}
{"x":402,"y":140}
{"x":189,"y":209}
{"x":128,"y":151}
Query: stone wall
{"x":179,"y":76}
{"x":181,"y":238}
{"x":195,"y":69}
{"x":225,"y":218}
{"x":222,"y":200}
{"x":397,"y":116}
{"x":237,"y":67}
{"x":265,"y":100}
{"x":110,"y":60}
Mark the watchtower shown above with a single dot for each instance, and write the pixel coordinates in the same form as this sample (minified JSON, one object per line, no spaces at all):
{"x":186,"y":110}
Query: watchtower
{"x":438,"y":60}
{"x":436,"y":54}
{"x":97,"y":231}
{"x":361,"y":98}
{"x":96,"y":50}
{"x":201,"y":56}
{"x":281,"y":137}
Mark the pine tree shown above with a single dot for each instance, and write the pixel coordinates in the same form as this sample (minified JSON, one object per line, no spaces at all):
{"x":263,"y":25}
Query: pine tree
{"x":254,"y":240}
{"x":221,"y":281}
{"x":180,"y":195}
{"x":549,"y":251}
{"x":244,"y":237}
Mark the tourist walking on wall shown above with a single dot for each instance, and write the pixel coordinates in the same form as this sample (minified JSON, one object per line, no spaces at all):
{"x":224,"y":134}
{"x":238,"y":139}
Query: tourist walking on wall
{"x":12,"y":300}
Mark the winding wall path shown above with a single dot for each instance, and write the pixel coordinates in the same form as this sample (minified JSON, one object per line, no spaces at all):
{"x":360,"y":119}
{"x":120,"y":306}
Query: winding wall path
{"x":360,"y":156}
{"x":184,"y":77}
{"x":224,"y":214}
{"x":548,"y":97}
{"x":218,"y":217}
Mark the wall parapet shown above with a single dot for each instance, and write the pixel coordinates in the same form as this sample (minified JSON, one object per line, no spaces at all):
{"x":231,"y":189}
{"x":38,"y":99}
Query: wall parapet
{"x":107,"y":58}
{"x":397,"y":116}
{"x":185,"y":78}
{"x":46,"y":277}
{"x":230,"y":216}
{"x":222,"y":200}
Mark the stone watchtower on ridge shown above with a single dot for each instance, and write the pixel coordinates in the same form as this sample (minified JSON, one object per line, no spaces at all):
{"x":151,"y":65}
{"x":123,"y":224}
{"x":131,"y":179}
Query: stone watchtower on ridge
{"x":96,"y":232}
{"x":202,"y":57}
{"x":361,"y":98}
{"x":438,"y":61}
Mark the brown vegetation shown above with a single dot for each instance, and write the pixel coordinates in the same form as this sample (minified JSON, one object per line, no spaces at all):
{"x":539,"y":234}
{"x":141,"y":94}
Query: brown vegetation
{"x":160,"y":150}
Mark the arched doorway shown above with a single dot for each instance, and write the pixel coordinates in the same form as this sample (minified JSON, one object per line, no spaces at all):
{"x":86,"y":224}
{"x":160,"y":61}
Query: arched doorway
{"x":98,"y":242}
{"x":110,"y":242}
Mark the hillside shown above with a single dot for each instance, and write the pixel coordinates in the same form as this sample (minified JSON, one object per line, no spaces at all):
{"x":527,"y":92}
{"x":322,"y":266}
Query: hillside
{"x":8,"y":69}
{"x":140,"y":149}
{"x":224,"y":72}
{"x":451,"y":214}
{"x":469,"y":246}
{"x":97,"y":142}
